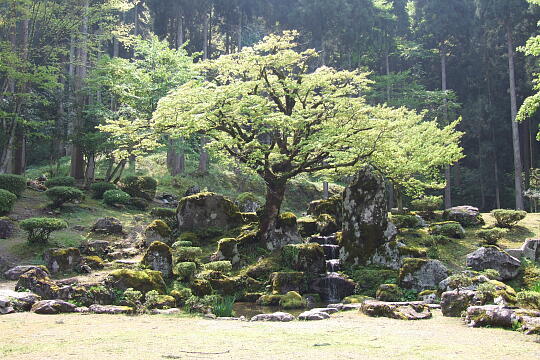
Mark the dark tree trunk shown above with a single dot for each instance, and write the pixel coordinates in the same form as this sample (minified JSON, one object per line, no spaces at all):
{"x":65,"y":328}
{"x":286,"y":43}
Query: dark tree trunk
{"x":447,"y":173}
{"x":275,"y":193}
{"x":203,"y":157}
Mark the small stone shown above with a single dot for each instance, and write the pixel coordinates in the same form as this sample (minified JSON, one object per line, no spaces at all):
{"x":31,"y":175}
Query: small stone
{"x":313,"y":314}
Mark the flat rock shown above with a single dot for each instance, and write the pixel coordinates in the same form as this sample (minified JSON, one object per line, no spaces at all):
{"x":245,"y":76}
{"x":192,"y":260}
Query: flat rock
{"x":171,"y":311}
{"x":313,"y":314}
{"x":277,"y":317}
{"x":20,"y":301}
{"x":16,"y":272}
{"x":52,"y":307}
{"x":108,"y":225}
{"x":109,"y":309}
{"x":327,"y":310}
{"x":397,"y":310}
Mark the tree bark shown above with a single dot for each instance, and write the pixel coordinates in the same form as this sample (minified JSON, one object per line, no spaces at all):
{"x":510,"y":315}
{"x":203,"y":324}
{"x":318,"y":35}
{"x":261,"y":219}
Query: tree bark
{"x":326,"y":193}
{"x":203,"y":157}
{"x":205,"y":36}
{"x":518,"y":166}
{"x":240,"y":18}
{"x":275,"y":193}
{"x":175,"y":158}
{"x":447,"y":173}
{"x":180,"y":30}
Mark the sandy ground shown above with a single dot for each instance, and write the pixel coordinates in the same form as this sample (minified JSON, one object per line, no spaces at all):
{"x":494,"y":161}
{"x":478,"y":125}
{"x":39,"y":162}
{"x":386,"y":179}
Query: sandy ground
{"x":345,"y":336}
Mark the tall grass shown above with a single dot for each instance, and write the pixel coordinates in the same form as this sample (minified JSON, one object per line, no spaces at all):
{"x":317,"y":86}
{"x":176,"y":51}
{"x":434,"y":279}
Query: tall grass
{"x":224,"y":306}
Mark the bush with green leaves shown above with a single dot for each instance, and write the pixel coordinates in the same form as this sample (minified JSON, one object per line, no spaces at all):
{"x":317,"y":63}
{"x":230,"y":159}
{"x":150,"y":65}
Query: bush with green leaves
{"x":491,"y":236}
{"x":427,"y":203}
{"x":40,"y":229}
{"x":188,"y":253}
{"x":450,"y":229}
{"x":459,"y":281}
{"x":60,"y":181}
{"x":15,"y":184}
{"x":139,"y":186}
{"x":116,"y":197}
{"x":99,"y":188}
{"x":529,"y":299}
{"x":7,"y":200}
{"x":59,"y":195}
{"x":405,"y":221}
{"x":203,"y":304}
{"x":508,"y":218}
{"x":223,"y":307}
{"x":179,"y":244}
{"x":185,"y":270}
{"x":491,"y":274}
{"x":221,"y":266}
{"x":486,"y":292}
{"x":133,"y":299}
{"x":138,"y":203}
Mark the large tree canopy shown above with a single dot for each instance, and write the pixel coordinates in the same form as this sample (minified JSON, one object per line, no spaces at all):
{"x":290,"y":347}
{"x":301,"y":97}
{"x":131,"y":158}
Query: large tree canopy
{"x":268,"y":109}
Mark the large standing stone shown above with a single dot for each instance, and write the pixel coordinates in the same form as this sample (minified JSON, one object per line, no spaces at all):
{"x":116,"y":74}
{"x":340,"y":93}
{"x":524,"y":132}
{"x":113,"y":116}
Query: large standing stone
{"x":52,"y":307}
{"x":454,"y":303}
{"x":491,"y":257}
{"x":422,"y":274}
{"x":465,"y":215}
{"x":62,"y":260}
{"x":16,"y":272}
{"x":159,"y":257}
{"x":205,"y":210}
{"x":108,"y":225}
{"x":285,"y":232}
{"x":530,"y":250}
{"x":6,"y":228}
{"x":396,"y":310}
{"x":365,"y":217}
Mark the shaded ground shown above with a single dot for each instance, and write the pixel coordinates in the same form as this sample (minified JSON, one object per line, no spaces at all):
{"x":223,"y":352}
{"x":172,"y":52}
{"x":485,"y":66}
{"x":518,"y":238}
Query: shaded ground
{"x":346,"y":336}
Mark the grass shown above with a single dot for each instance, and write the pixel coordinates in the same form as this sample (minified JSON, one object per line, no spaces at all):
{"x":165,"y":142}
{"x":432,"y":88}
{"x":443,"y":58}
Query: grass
{"x":344,"y":336}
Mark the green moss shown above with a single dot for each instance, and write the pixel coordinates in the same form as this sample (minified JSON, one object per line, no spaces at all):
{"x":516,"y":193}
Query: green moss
{"x":262,"y":269}
{"x":222,"y":266}
{"x":228,"y":286}
{"x":307,"y":226}
{"x":411,"y":265}
{"x":331,"y":206}
{"x":389,"y":292}
{"x":201,"y":288}
{"x":181,"y":295}
{"x":283,"y":282}
{"x":160,"y":227}
{"x":269,"y":300}
{"x":326,"y":224}
{"x":369,"y":279}
{"x":191,"y":254}
{"x":356,"y":299}
{"x":504,"y":291}
{"x":185,"y":270}
{"x":143,"y":280}
{"x":448,"y":228}
{"x":286,"y":219}
{"x":308,"y":258}
{"x":412,"y":252}
{"x":95,"y":262}
{"x":228,"y":247}
{"x":292,"y":300}
{"x":427,"y":292}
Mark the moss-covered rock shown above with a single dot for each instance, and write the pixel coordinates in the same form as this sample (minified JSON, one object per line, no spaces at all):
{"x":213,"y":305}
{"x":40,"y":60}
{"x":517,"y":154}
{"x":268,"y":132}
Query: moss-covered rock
{"x":450,"y":229}
{"x":421,"y":274}
{"x":262,"y":269}
{"x":140,"y":280}
{"x":200,"y":287}
{"x":465,"y":215}
{"x":327,"y":224}
{"x":228,"y":250}
{"x":269,"y":300}
{"x":158,"y":257}
{"x":62,"y":260}
{"x":158,"y":230}
{"x":228,"y":286}
{"x":205,"y":210}
{"x":308,"y":258}
{"x":389,"y":292}
{"x":285,"y":233}
{"x":369,"y":279}
{"x":356,"y":299}
{"x":292,"y":300}
{"x":307,"y":226}
{"x":94,"y":262}
{"x":37,"y":281}
{"x":283,"y":282}
{"x":332,"y":206}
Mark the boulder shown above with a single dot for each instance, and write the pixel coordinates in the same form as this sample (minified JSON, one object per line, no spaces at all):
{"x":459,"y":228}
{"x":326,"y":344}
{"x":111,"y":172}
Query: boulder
{"x":283,"y":282}
{"x":396,"y":310}
{"x":159,"y":257}
{"x":422,"y":274}
{"x":476,"y":280}
{"x":277,"y":316}
{"x":141,"y":280}
{"x":158,"y":230}
{"x":108,"y":225}
{"x":227,"y":250}
{"x":38,"y":282}
{"x":19,"y":301}
{"x":5,"y":306}
{"x":332,"y":287}
{"x":529,"y":250}
{"x":308,"y":258}
{"x":62,"y":260}
{"x":285,"y":232}
{"x":93,"y":262}
{"x":332,"y":206}
{"x":53,"y":307}
{"x":110,"y":309}
{"x":204,"y":210}
{"x":392,"y":254}
{"x":313,"y":314}
{"x":6,"y":228}
{"x":490,"y":315}
{"x":15,"y":273}
{"x":465,"y":215}
{"x":365,"y":217}
{"x":99,"y":248}
{"x":4,"y":265}
{"x":389,"y":292}
{"x":454,"y":303}
{"x":491,"y":257}
{"x":192,"y":190}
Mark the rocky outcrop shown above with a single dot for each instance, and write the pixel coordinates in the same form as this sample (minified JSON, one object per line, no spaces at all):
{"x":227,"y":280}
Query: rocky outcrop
{"x":6,"y":228}
{"x":38,"y":282}
{"x":529,"y":250}
{"x":392,"y":254}
{"x":108,"y":225}
{"x":332,"y":287}
{"x":53,"y":307}
{"x":15,"y":273}
{"x":158,"y":257}
{"x":143,"y":280}
{"x":205,"y":210}
{"x":18,"y":301}
{"x":62,"y":260}
{"x":422,"y":274}
{"x":277,"y":317}
{"x":491,"y":257}
{"x":466,"y":215}
{"x":454,"y":303}
{"x":396,"y":310}
{"x":365,"y":217}
{"x":308,"y":258}
{"x":285,"y":232}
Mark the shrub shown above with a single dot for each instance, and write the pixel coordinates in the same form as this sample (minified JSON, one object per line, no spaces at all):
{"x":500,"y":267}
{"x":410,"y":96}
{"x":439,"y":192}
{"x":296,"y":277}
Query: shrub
{"x":188,"y":253}
{"x":450,"y":229}
{"x":405,"y":221}
{"x":139,"y":186}
{"x":223,"y":306}
{"x":491,"y":274}
{"x":60,"y":195}
{"x":189,"y":236}
{"x":459,"y":281}
{"x":486,"y":292}
{"x":185,"y":270}
{"x":389,"y":292}
{"x":508,"y":218}
{"x":138,"y":203}
{"x":490,"y":236}
{"x":60,"y":181}
{"x":180,"y":244}
{"x":7,"y":200}
{"x":116,"y":197}
{"x":39,"y":229}
{"x":368,"y":280}
{"x":222,"y":266}
{"x":166,"y":214}
{"x":15,"y":184}
{"x":133,"y":300}
{"x":181,"y":295}
{"x":100,"y":188}
{"x":529,"y":299}
{"x":201,"y":304}
{"x":427,"y":203}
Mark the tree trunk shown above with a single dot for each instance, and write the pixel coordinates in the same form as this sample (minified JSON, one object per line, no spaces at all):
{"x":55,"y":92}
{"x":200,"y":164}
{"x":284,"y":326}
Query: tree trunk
{"x":180,"y":31}
{"x":240,"y":18}
{"x":175,"y":158}
{"x":518,"y":167}
{"x":326,"y":193}
{"x":388,"y":89}
{"x":205,"y":37}
{"x":203,"y":157}
{"x":275,"y":193}
{"x":447,"y":173}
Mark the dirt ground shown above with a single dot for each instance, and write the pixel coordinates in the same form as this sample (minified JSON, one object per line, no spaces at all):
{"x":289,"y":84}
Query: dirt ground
{"x":345,"y":336}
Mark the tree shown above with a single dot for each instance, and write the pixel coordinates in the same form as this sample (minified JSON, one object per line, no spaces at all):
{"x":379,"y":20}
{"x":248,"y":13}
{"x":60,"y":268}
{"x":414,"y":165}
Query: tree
{"x":265,"y":108}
